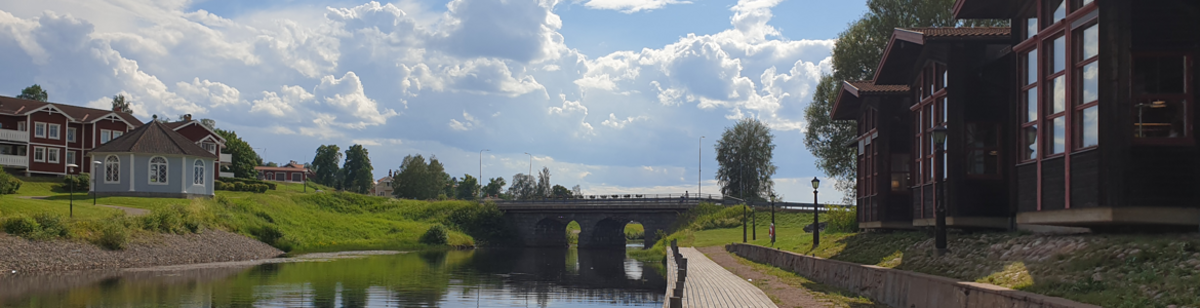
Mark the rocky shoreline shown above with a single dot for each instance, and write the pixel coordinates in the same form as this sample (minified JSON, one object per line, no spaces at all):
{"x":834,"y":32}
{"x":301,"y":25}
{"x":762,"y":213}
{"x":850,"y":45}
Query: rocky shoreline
{"x":21,"y":256}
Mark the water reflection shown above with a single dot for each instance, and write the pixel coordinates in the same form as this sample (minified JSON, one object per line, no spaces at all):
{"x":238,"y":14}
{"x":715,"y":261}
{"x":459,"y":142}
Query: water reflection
{"x":484,"y":278}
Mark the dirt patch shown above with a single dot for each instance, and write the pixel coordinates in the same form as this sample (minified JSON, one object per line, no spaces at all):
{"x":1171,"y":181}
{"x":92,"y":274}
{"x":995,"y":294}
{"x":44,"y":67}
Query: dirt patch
{"x":782,"y":293}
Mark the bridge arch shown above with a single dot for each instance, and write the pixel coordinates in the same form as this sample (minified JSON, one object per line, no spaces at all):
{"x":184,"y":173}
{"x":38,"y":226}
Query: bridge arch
{"x":549,"y":232}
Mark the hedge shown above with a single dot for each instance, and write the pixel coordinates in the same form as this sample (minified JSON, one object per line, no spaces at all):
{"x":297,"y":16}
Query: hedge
{"x":270,"y":185}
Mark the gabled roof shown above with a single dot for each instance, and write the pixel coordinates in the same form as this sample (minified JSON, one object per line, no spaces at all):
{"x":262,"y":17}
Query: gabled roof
{"x":181,"y":124}
{"x":17,"y":106}
{"x":154,"y":138}
{"x":850,"y":98}
{"x":906,"y":46}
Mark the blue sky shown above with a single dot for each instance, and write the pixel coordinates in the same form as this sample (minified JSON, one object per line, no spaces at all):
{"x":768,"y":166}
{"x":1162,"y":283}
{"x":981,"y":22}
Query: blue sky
{"x":611,"y":95}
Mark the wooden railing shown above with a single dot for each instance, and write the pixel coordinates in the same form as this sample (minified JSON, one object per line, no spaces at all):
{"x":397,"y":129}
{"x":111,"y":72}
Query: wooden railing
{"x":14,"y":160}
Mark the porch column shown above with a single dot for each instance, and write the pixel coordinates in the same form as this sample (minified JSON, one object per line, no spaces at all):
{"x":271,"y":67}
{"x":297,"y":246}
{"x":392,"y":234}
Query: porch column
{"x":131,"y":175}
{"x":183,"y":185}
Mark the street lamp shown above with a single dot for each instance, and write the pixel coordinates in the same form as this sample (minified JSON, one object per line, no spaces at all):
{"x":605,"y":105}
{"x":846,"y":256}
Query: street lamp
{"x":97,"y":165}
{"x":816,"y":223}
{"x":530,"y":163}
{"x":699,"y":166}
{"x":480,"y":180}
{"x":772,"y":219}
{"x":71,"y":187}
{"x":939,"y":140}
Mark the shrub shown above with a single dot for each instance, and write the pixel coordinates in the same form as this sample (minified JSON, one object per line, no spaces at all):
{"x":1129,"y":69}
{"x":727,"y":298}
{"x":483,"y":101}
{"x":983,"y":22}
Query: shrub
{"x":270,"y":185}
{"x":8,"y":184}
{"x":52,"y":226}
{"x":436,"y":235}
{"x":22,"y":226}
{"x":113,"y":236}
{"x":172,"y":219}
{"x":841,"y":219}
{"x":269,"y":234}
{"x":79,"y":182}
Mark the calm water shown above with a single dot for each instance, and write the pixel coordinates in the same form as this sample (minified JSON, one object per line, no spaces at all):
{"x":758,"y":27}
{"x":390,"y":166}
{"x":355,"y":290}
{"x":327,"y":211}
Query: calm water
{"x":479,"y":278}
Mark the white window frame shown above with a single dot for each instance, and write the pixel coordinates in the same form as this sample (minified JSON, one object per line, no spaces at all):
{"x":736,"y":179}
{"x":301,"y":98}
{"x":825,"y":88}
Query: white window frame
{"x":105,"y":136}
{"x":71,"y":157}
{"x":112,"y":169}
{"x":116,"y":133}
{"x":71,"y":135}
{"x":39,"y":151}
{"x":158,"y":171}
{"x":198,"y":172}
{"x":279,"y":175}
{"x":21,"y":126}
{"x":52,"y":155}
{"x":39,"y":126}
{"x":54,"y":131}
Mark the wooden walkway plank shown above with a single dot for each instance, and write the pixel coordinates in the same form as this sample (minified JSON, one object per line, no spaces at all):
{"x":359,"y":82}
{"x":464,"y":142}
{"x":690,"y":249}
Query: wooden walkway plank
{"x":710,"y":285}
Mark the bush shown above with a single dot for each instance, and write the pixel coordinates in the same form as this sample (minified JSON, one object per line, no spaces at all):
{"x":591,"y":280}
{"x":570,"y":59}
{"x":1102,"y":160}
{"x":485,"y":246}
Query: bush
{"x":270,"y":185}
{"x":269,"y":234}
{"x":22,"y":226}
{"x":243,"y":186}
{"x":172,"y":219}
{"x":8,"y":184}
{"x":79,"y":182}
{"x":436,"y":235}
{"x":113,"y":236}
{"x":841,"y":219}
{"x":52,"y":226}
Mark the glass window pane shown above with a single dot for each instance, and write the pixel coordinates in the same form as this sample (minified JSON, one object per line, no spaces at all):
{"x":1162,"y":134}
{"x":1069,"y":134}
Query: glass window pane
{"x":1090,"y":41}
{"x":1060,"y":54}
{"x":929,"y":115}
{"x":1031,"y":144}
{"x":1058,"y":99}
{"x":1089,"y":130}
{"x":1059,"y":9}
{"x":1031,"y":103}
{"x":1031,"y":68}
{"x":1090,"y":83}
{"x":1161,"y":118}
{"x":1159,"y":74}
{"x":942,"y":110}
{"x":1059,"y":132}
{"x":1031,"y":27}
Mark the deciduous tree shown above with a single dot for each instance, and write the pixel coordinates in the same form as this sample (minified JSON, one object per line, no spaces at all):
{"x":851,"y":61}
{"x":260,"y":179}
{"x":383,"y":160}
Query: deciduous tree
{"x":244,"y":157}
{"x":325,"y":165}
{"x":468,"y":188}
{"x":120,"y":104}
{"x":34,"y":92}
{"x":560,"y":191}
{"x":419,"y":180}
{"x":544,"y":189}
{"x":744,"y":154}
{"x":524,"y":186}
{"x":357,"y":171}
{"x":494,"y":187}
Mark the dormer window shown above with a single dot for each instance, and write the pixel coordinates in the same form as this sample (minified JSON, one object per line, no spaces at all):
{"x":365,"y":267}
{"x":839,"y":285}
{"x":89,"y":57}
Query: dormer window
{"x":210,"y":147}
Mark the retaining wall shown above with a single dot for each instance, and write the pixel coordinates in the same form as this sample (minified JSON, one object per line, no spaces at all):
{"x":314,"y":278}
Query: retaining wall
{"x":897,"y":288}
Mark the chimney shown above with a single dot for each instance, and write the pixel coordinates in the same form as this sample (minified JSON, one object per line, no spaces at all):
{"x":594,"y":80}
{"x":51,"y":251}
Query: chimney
{"x":187,"y":117}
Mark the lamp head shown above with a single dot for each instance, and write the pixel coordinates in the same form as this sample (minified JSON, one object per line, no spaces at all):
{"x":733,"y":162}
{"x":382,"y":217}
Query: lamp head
{"x":816,"y":183}
{"x":939,"y":135}
{"x":72,"y":166}
{"x":96,"y":162}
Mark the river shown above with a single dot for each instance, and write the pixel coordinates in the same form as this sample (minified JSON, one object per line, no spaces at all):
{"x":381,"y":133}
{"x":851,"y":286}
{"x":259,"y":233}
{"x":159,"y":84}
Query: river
{"x":525,"y":277}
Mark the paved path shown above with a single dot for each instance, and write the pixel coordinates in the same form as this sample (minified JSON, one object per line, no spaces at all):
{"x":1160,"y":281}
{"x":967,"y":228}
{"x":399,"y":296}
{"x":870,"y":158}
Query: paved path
{"x":710,"y":285}
{"x":128,"y":210}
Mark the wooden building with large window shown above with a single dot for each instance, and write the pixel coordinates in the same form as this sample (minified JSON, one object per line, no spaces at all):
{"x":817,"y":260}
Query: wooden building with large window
{"x":884,"y":154}
{"x":1103,"y":106}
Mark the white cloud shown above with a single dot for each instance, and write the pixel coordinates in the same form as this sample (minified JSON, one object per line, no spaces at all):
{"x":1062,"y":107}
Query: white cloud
{"x":469,"y":122}
{"x":619,"y":123}
{"x":630,"y":6}
{"x":215,"y":93}
{"x":346,"y":94}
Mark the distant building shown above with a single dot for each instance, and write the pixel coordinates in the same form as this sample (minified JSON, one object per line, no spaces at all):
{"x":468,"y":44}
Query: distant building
{"x":153,"y":161}
{"x":383,"y":186}
{"x":293,"y":172}
{"x":43,"y":138}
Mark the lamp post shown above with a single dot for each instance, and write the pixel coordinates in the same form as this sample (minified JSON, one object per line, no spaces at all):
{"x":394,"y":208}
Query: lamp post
{"x":97,"y":165}
{"x":530,"y":163}
{"x":816,"y":183}
{"x":699,"y":166}
{"x":71,"y":169}
{"x":772,"y":219}
{"x":939,"y":140}
{"x":480,"y":180}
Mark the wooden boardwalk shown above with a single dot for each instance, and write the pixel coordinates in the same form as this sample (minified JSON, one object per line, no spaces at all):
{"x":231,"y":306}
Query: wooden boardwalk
{"x":710,"y":285}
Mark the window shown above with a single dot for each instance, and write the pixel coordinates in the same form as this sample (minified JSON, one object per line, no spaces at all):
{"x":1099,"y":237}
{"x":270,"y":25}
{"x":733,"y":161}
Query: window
{"x":21,"y":126}
{"x":112,"y":169}
{"x":1087,"y":86}
{"x":39,"y":154}
{"x":281,"y":176}
{"x":1056,"y":99}
{"x":983,"y":148}
{"x":929,"y":114}
{"x":55,"y":131}
{"x":899,"y":172}
{"x":39,"y":129}
{"x":117,"y":133}
{"x":105,"y":136}
{"x":1162,"y":96}
{"x":52,"y":155}
{"x":158,"y":170}
{"x":296,"y":177}
{"x":71,"y":157}
{"x":210,"y":147}
{"x":71,"y":134}
{"x":198,"y":172}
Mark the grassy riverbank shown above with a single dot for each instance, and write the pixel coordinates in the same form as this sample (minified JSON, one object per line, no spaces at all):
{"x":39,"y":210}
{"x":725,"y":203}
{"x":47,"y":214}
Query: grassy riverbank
{"x":287,"y":218}
{"x":1110,"y":270}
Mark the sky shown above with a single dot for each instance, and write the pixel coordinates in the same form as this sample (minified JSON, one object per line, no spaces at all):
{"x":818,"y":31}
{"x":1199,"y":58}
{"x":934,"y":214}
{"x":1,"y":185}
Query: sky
{"x":611,"y":95}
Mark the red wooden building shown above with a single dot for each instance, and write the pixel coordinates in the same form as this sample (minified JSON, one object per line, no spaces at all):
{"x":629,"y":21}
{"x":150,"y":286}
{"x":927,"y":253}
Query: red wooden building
{"x":43,"y":138}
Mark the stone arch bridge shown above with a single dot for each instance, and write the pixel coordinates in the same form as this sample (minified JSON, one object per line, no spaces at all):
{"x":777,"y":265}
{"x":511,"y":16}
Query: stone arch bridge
{"x":543,"y":223}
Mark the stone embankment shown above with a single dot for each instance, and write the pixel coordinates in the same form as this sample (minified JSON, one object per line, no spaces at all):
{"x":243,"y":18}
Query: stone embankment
{"x":18,"y":255}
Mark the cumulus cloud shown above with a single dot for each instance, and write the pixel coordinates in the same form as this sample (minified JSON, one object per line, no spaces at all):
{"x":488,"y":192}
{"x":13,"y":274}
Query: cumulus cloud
{"x":346,"y":95}
{"x":630,"y":6}
{"x":614,"y":122}
{"x":469,"y":122}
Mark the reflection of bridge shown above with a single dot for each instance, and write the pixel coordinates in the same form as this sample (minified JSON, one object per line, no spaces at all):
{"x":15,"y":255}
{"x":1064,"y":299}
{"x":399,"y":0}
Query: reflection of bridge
{"x":601,"y":220}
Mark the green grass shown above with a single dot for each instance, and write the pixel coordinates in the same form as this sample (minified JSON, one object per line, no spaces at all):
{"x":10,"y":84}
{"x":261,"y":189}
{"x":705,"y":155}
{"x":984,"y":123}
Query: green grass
{"x":833,"y":296}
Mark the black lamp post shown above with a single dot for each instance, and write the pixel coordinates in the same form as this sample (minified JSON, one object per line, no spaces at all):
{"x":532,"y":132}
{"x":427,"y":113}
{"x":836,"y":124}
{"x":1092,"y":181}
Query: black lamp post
{"x":816,"y":223}
{"x":772,"y":219}
{"x":753,"y":222}
{"x":96,"y":165}
{"x":71,"y":188}
{"x":939,"y":141}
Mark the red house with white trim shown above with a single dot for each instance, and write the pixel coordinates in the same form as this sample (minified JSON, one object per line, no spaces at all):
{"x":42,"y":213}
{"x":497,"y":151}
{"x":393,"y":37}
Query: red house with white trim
{"x":42,"y":138}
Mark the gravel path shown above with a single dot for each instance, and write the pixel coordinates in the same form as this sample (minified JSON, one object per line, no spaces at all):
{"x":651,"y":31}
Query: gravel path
{"x":25,"y":256}
{"x":787,"y":295}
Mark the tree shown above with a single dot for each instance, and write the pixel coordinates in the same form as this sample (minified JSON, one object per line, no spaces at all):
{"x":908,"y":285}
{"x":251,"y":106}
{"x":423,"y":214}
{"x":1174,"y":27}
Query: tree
{"x":578,"y":192}
{"x":272,"y":164}
{"x":451,"y":188}
{"x":357,"y":171}
{"x":468,"y":188}
{"x":560,"y":191}
{"x":744,"y":155}
{"x":419,"y":180}
{"x":209,"y":123}
{"x":494,"y":187}
{"x":120,"y":104}
{"x":244,"y":157}
{"x":34,"y":92}
{"x":325,"y":165}
{"x":544,"y":188}
{"x":523,"y":187}
{"x":855,"y":57}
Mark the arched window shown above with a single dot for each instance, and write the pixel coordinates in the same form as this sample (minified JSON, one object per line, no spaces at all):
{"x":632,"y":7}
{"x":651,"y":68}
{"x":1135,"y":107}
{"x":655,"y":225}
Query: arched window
{"x":158,"y":170}
{"x":112,"y":169}
{"x":198,"y":173}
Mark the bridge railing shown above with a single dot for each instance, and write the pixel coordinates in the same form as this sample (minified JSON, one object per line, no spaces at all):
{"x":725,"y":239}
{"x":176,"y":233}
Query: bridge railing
{"x":623,"y":198}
